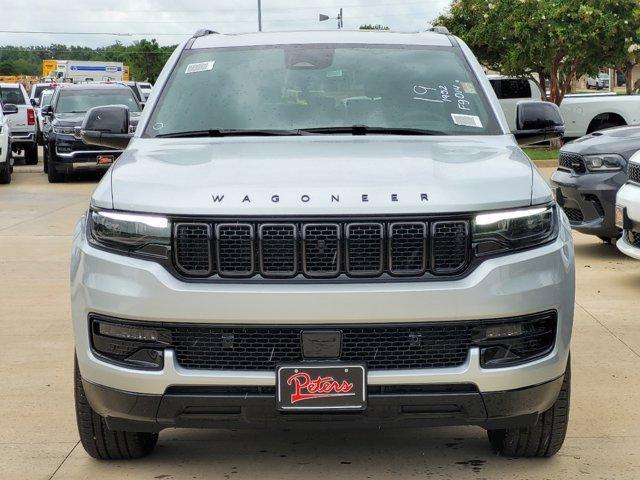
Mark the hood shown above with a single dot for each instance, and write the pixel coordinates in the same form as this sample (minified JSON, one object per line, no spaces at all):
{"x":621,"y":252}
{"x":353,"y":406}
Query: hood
{"x":624,"y":141}
{"x":321,"y":175}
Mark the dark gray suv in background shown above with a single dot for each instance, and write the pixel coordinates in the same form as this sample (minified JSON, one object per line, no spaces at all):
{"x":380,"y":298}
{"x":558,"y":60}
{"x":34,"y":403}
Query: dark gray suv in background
{"x":591,"y":171}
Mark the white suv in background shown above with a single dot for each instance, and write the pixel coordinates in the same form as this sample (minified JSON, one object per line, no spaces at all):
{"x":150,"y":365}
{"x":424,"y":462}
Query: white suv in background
{"x":322,"y":227}
{"x":23,"y":124}
{"x":628,"y":210}
{"x":6,"y":158}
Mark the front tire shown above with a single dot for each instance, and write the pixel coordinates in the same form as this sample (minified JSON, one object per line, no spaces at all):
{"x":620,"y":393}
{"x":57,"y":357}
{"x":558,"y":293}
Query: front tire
{"x":543,"y":439}
{"x":5,"y":172}
{"x":52,"y":173}
{"x":100,"y":441}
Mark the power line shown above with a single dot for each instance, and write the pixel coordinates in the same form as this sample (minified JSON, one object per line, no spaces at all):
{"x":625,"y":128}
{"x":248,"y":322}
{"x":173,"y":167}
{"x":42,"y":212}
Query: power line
{"x":365,"y":6}
{"x":118,"y":34}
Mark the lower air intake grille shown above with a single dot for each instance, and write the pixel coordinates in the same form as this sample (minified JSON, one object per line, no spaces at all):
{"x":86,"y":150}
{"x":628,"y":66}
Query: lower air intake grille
{"x":575,"y":214}
{"x":633,"y":238}
{"x":384,"y":347}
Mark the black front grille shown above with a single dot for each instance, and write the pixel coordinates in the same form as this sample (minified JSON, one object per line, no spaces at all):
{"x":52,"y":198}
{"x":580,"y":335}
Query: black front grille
{"x":234,"y":249}
{"x":449,"y":246}
{"x":572,"y":161}
{"x":384,"y":347}
{"x":575,"y":214}
{"x":278,"y":249}
{"x":634,"y":172}
{"x":321,"y":255}
{"x":322,"y":250}
{"x":193,"y":250}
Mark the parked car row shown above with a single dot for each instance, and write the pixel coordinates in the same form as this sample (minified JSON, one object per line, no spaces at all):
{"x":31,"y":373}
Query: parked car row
{"x":597,"y":184}
{"x":64,"y":150}
{"x":583,"y":113}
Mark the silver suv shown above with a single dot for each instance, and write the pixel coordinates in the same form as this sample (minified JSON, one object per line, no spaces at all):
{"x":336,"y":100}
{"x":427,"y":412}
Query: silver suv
{"x":322,"y":227}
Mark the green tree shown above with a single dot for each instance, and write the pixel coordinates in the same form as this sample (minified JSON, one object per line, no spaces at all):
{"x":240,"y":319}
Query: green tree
{"x":559,"y":40}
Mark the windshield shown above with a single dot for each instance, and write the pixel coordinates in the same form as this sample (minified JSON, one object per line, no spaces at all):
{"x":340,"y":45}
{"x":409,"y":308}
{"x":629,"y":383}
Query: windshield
{"x":45,"y":98}
{"x":323,"y":86}
{"x":80,"y":101}
{"x":38,"y":89}
{"x":12,"y":96}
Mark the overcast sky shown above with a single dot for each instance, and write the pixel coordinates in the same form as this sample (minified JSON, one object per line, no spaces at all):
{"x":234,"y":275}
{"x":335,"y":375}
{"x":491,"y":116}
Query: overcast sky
{"x":169,"y":21}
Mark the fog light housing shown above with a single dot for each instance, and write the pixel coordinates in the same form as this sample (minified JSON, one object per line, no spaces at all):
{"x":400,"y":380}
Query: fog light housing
{"x":516,"y":341}
{"x":131,"y":345}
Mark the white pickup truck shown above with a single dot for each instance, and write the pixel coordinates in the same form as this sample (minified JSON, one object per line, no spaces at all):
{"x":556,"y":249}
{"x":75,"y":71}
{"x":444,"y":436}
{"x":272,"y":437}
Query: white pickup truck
{"x":23,"y":123}
{"x":583,"y":113}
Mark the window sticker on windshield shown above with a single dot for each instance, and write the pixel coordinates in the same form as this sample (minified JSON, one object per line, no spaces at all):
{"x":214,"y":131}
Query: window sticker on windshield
{"x":199,"y":67}
{"x":466,"y":120}
{"x":467,"y":87}
{"x":335,"y":73}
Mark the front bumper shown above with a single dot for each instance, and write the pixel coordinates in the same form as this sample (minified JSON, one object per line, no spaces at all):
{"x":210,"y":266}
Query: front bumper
{"x":589,"y":200}
{"x":523,"y":283}
{"x":436,"y":406}
{"x":629,"y":198}
{"x":73,"y":155}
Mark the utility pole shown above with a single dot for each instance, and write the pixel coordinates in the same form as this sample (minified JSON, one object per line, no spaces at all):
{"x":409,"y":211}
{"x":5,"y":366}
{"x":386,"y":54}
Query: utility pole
{"x":259,"y":15}
{"x":340,"y":19}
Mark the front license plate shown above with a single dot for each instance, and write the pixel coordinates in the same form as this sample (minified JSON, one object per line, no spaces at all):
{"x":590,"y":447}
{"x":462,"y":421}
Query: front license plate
{"x":321,"y":387}
{"x":105,"y":159}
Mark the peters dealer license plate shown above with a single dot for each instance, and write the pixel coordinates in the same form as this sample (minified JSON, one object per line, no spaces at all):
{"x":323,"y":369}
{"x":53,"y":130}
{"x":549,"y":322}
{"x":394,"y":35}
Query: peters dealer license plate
{"x":105,"y":159}
{"x":321,"y":387}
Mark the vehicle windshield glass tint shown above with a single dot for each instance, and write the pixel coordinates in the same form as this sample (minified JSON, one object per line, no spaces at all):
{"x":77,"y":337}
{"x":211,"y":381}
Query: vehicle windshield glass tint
{"x":80,"y":101}
{"x":39,"y":89}
{"x":45,"y":99}
{"x":12,"y":95}
{"x":323,"y":86}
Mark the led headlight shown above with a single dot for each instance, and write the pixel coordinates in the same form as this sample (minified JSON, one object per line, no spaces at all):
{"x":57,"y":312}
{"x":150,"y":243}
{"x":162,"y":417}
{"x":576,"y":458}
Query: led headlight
{"x":62,"y":130}
{"x":514,"y":229}
{"x":130,"y":232}
{"x":604,"y":163}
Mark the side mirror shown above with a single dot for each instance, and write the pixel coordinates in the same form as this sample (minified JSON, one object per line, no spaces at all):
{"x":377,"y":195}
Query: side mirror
{"x":538,"y":122}
{"x":35,"y":102}
{"x":9,"y":109}
{"x":47,"y":111}
{"x":107,"y":127}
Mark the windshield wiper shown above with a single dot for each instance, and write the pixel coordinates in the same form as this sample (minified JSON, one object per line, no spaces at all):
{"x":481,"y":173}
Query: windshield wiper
{"x":365,"y":130}
{"x":229,"y":133}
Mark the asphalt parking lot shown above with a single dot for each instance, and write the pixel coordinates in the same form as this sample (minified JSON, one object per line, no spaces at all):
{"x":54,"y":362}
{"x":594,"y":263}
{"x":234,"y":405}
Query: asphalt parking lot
{"x":38,"y":438}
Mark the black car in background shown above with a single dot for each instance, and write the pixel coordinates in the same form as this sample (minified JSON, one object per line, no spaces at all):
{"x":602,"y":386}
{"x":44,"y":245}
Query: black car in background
{"x":64,"y":150}
{"x":591,"y":171}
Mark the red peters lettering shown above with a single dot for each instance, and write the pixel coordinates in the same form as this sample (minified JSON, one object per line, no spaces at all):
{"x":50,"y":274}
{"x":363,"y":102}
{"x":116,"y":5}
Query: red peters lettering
{"x":307,"y":389}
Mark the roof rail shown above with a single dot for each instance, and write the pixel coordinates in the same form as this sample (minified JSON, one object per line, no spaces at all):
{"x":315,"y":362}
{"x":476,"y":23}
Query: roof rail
{"x":439,"y":29}
{"x":204,"y":32}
